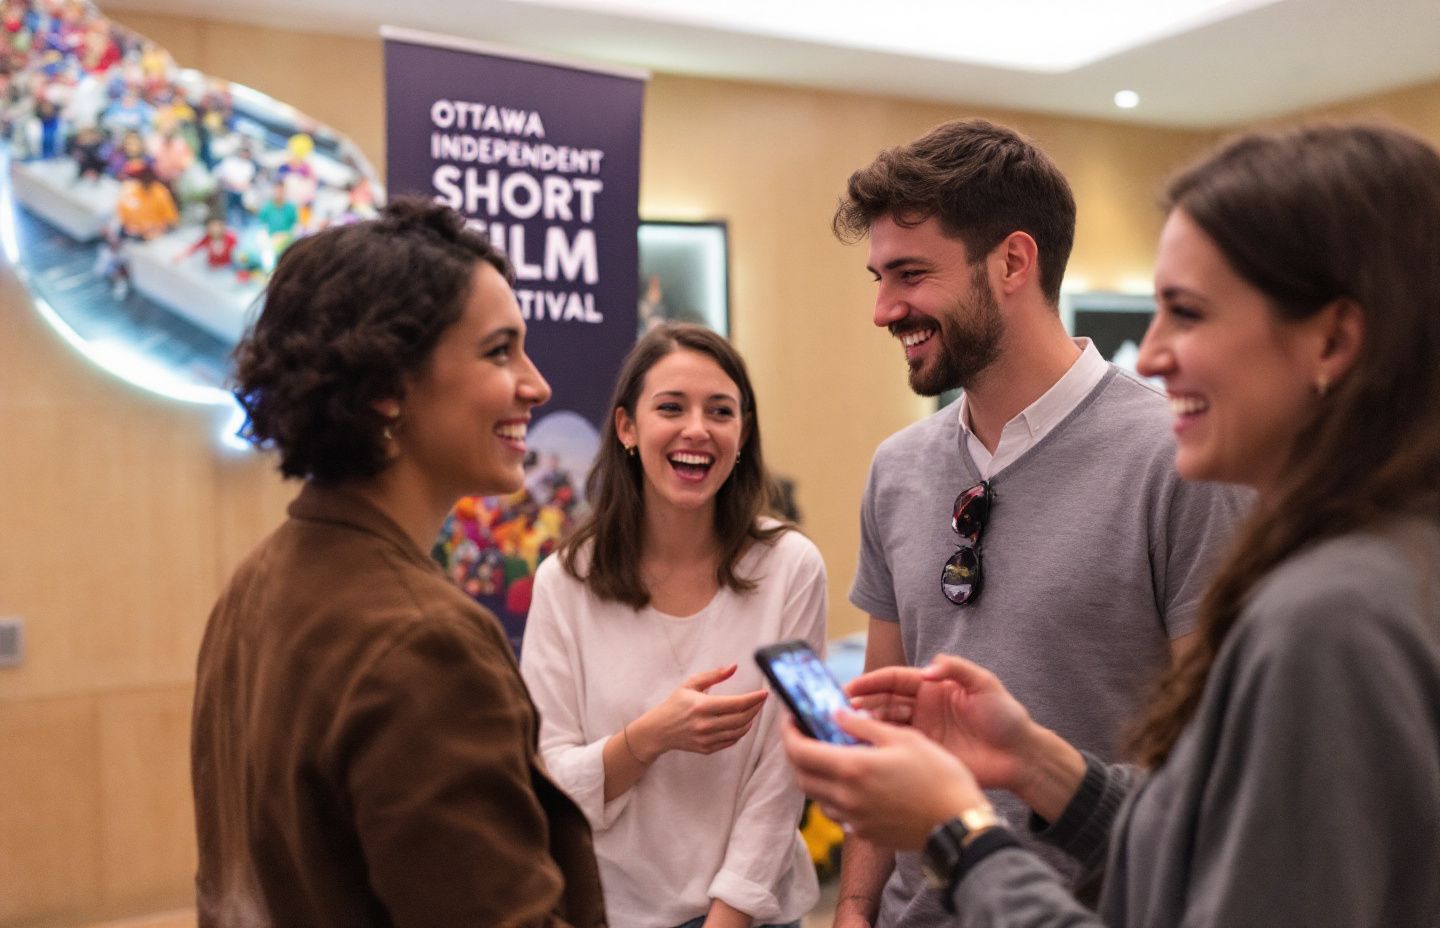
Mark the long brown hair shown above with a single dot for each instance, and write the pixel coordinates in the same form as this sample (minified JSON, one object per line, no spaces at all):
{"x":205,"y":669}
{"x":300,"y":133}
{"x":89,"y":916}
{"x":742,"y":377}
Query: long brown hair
{"x":1311,"y":216}
{"x":613,"y":536}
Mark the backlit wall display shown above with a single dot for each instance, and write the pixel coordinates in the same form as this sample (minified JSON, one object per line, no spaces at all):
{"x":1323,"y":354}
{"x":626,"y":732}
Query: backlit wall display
{"x":144,"y":204}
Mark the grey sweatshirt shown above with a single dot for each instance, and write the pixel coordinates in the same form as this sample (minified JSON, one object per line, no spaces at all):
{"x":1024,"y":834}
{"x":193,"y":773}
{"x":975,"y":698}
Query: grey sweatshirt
{"x":1306,"y":791}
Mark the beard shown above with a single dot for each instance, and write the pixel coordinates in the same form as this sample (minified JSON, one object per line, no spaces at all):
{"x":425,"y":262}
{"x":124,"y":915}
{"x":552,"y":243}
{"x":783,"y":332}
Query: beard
{"x":970,"y":335}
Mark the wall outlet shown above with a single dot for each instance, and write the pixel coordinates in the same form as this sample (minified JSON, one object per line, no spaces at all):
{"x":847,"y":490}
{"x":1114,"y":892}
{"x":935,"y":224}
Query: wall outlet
{"x":12,"y":641}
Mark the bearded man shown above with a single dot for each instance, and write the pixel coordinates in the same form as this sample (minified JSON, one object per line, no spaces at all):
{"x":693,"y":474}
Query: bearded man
{"x":1036,"y":525}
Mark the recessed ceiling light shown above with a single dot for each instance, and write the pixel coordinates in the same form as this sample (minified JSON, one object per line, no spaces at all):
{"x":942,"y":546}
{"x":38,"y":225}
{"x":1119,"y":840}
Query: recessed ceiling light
{"x":1127,"y":99}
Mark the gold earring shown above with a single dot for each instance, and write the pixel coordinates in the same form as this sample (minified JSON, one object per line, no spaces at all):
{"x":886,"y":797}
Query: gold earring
{"x":1322,"y":386}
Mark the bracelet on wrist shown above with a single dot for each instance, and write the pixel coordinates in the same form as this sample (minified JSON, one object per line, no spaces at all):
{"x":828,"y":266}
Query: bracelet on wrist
{"x":625,"y":734}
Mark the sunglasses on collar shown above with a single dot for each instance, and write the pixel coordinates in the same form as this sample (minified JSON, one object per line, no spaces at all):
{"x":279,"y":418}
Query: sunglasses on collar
{"x":960,"y":578}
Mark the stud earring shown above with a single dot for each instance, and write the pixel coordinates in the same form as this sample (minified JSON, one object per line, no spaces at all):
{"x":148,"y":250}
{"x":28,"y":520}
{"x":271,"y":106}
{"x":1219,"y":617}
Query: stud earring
{"x":1322,"y":386}
{"x":391,"y":426}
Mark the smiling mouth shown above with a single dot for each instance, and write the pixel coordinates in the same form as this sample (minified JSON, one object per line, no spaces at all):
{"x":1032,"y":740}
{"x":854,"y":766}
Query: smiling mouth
{"x":513,"y":433}
{"x":1187,"y":405}
{"x":911,"y":337}
{"x":691,"y":465}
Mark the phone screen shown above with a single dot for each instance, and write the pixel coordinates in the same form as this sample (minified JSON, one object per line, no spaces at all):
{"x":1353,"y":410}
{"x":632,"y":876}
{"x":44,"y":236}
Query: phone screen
{"x":802,"y":680}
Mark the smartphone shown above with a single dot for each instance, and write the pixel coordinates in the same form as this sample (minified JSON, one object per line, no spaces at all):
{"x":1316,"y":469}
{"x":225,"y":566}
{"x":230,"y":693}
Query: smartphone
{"x":803,"y":681}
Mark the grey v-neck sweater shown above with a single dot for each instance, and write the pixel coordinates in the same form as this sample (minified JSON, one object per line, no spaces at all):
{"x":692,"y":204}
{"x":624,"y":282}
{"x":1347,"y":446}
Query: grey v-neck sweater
{"x":1095,"y":555}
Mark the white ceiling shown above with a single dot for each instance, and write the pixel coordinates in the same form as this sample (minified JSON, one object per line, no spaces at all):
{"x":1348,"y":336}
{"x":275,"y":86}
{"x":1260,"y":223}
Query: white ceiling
{"x":1238,"y":60}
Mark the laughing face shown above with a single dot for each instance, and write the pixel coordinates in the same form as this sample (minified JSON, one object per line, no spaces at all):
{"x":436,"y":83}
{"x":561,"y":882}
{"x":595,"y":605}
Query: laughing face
{"x":1239,"y":379}
{"x":464,"y":415}
{"x":935,"y":302}
{"x":687,"y":430}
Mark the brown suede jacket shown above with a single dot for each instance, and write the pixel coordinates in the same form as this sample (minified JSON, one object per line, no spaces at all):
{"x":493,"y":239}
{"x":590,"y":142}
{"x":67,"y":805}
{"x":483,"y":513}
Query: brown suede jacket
{"x":364,"y":750}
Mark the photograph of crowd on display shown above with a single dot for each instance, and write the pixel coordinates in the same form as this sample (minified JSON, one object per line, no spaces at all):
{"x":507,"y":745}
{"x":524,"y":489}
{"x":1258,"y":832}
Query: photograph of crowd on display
{"x":148,"y":203}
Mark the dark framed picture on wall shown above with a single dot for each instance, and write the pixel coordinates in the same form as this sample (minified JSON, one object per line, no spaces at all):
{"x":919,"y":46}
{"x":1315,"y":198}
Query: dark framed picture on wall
{"x":1115,"y":322}
{"x":684,"y":274}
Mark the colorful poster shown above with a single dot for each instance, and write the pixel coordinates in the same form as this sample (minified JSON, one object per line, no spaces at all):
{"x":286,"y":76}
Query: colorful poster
{"x":544,"y":157}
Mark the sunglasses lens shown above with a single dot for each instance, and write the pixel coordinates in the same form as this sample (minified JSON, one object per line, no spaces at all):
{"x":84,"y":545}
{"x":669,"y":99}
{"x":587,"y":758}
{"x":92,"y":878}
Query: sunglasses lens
{"x":960,"y":578}
{"x":972,"y":508}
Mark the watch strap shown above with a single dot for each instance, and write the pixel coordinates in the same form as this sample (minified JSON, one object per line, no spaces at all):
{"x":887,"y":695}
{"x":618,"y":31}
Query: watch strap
{"x":979,"y":847}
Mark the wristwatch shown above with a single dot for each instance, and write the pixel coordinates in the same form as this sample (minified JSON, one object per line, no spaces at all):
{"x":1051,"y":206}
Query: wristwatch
{"x":944,"y":861}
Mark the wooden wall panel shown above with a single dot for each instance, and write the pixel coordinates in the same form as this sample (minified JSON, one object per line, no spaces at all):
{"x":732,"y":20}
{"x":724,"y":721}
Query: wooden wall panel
{"x":147,"y":820}
{"x":50,"y":815}
{"x":122,"y":517}
{"x":109,"y":549}
{"x":121,"y":570}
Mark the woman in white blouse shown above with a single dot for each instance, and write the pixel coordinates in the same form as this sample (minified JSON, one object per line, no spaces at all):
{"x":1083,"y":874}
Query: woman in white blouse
{"x":638,"y":650}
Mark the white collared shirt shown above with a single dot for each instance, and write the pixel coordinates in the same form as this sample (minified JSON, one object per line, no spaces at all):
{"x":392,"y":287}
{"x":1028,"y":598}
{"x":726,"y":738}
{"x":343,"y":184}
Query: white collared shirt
{"x":1036,"y":421}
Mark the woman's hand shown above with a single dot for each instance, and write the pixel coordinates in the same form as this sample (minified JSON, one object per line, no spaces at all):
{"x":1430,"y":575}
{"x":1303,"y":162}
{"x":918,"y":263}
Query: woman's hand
{"x":893,"y":791}
{"x":693,"y":720}
{"x":961,"y":706}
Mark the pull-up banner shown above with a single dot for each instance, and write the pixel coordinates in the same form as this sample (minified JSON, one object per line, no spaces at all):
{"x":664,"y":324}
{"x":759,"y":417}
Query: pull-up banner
{"x":544,"y":157}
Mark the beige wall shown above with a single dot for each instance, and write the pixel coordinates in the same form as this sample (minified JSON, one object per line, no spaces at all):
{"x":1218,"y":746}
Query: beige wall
{"x":121,"y":519}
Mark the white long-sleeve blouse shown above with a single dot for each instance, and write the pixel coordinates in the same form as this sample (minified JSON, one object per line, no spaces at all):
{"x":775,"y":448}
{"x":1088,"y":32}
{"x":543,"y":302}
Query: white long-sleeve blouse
{"x":694,"y":827}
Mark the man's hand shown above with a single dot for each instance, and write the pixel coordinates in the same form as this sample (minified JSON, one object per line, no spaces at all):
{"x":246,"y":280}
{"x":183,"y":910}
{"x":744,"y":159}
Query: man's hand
{"x":960,"y":706}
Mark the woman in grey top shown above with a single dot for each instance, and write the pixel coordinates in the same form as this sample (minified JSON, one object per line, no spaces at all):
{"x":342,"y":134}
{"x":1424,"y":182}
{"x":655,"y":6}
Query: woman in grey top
{"x":1289,"y":764}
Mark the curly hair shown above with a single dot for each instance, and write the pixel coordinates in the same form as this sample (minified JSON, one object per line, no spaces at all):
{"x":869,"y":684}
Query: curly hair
{"x":982,"y":181}
{"x":350,"y":312}
{"x":613,"y":535}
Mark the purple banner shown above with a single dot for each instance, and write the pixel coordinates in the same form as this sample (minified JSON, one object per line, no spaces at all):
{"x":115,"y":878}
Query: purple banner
{"x":545,"y":158}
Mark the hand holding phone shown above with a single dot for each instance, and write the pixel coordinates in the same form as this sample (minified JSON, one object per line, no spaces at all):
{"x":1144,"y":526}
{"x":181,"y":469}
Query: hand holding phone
{"x":809,"y":690}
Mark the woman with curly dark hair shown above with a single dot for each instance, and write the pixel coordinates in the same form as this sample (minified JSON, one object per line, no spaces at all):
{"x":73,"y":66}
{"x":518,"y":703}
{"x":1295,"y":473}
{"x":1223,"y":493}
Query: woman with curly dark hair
{"x":639,"y":641}
{"x":364,"y":750}
{"x":1289,"y":763}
